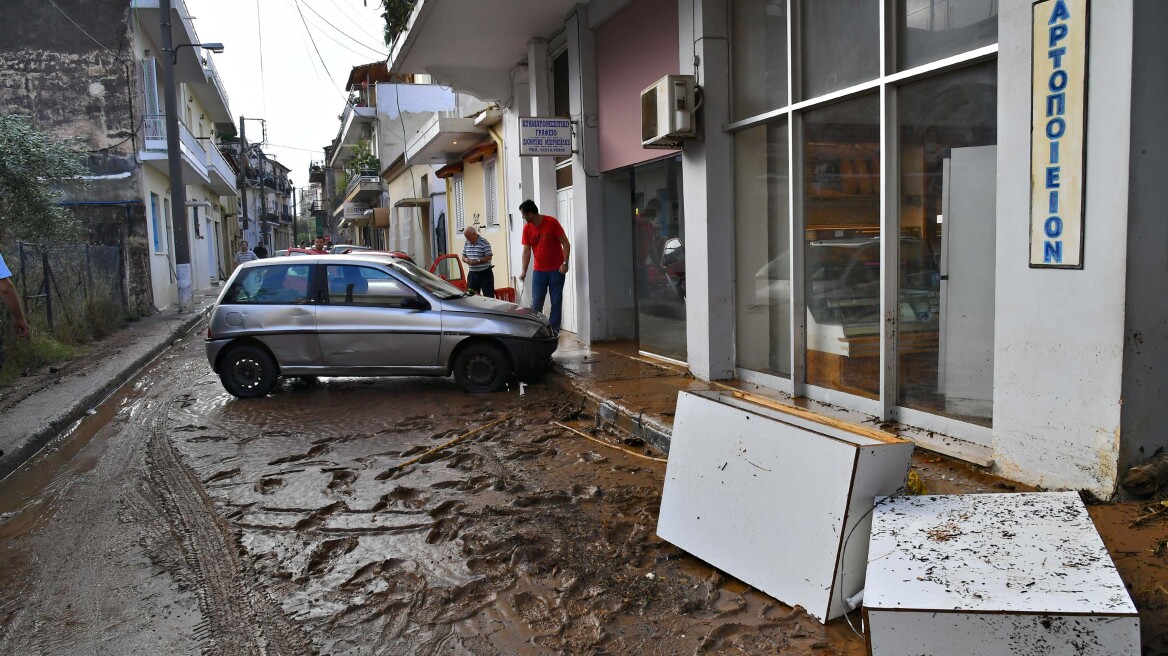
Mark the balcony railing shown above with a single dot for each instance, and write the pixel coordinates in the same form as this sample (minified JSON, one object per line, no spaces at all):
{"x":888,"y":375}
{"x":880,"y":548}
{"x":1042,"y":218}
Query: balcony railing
{"x":366,"y":177}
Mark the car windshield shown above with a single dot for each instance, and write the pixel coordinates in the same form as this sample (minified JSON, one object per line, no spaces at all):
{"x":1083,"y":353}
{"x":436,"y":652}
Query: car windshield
{"x":428,"y":281}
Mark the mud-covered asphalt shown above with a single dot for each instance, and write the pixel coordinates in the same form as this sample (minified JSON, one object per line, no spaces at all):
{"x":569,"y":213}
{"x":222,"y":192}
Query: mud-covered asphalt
{"x":180,"y":520}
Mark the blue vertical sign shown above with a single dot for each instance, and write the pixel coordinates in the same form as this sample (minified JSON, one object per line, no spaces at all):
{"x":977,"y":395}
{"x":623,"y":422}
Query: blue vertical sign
{"x":1057,"y":133}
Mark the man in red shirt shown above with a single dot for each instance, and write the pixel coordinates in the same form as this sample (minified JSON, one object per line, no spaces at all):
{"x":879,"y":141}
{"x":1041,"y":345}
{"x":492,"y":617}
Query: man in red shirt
{"x":544,"y":236}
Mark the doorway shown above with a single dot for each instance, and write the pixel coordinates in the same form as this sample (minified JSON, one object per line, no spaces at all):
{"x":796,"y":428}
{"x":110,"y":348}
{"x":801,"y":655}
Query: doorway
{"x":659,"y":258}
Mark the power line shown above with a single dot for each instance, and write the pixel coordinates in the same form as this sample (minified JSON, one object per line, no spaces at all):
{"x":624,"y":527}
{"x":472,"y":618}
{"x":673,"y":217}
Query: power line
{"x":355,"y":21}
{"x":317,"y":50}
{"x":334,"y":40}
{"x":99,"y":43}
{"x":342,"y":32}
{"x":307,"y":150}
{"x":263,"y":81}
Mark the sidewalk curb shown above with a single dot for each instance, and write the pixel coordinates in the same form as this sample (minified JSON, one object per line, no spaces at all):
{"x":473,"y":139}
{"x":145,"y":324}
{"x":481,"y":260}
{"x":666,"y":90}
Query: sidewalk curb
{"x":13,"y":460}
{"x":656,"y":434}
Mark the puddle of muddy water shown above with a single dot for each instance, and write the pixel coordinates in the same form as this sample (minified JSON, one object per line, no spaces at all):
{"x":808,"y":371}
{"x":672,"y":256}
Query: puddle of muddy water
{"x":29,"y":495}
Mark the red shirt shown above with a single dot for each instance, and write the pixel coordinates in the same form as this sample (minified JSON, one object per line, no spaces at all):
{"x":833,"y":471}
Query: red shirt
{"x":544,"y":241}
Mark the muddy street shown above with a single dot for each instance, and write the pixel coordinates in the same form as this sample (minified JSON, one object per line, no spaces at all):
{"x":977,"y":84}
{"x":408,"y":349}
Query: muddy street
{"x":323,"y":519}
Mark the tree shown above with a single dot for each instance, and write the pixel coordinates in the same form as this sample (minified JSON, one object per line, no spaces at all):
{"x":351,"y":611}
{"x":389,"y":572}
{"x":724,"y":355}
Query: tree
{"x":362,"y":161}
{"x":396,"y":15}
{"x":33,"y":166}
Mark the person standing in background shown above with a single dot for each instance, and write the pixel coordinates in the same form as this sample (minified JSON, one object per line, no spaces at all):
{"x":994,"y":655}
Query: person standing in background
{"x":544,"y":236}
{"x":243,"y":255}
{"x":476,"y":253}
{"x":260,"y":250}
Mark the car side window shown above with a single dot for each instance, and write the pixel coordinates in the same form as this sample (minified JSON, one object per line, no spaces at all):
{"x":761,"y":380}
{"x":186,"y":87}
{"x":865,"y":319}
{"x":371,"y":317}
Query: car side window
{"x":350,"y":284}
{"x":276,"y":284}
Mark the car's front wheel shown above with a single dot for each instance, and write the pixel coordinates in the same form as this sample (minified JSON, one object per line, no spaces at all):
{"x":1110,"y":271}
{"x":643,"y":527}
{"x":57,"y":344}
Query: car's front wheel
{"x":248,"y":371}
{"x":482,"y":368}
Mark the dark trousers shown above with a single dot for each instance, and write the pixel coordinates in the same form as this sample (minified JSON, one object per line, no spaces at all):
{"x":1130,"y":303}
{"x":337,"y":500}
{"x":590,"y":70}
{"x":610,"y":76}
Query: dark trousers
{"x":481,"y":282}
{"x":544,"y":283}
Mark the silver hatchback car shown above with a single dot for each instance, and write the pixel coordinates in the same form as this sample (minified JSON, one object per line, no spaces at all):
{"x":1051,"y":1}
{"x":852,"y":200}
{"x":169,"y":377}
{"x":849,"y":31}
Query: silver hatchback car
{"x":366,"y":315}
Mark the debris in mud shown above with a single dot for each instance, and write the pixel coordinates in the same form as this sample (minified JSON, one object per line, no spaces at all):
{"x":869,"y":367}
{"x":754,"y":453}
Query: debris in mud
{"x":1147,"y":477}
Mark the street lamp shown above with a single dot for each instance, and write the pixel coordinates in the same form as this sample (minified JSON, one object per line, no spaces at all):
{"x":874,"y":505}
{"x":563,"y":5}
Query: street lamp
{"x":213,"y":47}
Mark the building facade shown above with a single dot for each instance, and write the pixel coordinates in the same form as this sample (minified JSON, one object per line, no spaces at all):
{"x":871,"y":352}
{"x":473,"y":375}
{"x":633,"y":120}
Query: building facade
{"x":858,"y":220}
{"x":96,"y":78}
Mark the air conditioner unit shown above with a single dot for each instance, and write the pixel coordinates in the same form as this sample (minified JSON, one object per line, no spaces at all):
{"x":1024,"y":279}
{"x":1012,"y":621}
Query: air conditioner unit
{"x":667,"y":112}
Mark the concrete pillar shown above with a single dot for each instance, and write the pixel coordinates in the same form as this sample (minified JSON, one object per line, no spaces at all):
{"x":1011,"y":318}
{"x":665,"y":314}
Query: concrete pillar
{"x":708,"y":183}
{"x":519,"y":171}
{"x":1059,"y":334}
{"x":539,"y":80}
{"x":587,"y":211}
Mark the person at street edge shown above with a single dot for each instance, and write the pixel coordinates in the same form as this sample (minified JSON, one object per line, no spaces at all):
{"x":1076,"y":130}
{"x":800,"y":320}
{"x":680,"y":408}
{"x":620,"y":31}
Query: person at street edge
{"x":243,"y":254}
{"x":11,"y":300}
{"x":476,"y":254}
{"x":544,"y":236}
{"x":260,"y":250}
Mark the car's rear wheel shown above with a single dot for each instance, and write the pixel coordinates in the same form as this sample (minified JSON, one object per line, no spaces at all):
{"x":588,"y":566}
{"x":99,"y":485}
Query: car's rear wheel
{"x":482,"y":368}
{"x":248,"y":371}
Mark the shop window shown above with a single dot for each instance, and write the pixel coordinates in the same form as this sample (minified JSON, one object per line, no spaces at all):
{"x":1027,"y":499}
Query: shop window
{"x":759,"y":56}
{"x":762,"y":256}
{"x":928,"y":30}
{"x":945,"y":336}
{"x":841,"y":188}
{"x":841,"y":44}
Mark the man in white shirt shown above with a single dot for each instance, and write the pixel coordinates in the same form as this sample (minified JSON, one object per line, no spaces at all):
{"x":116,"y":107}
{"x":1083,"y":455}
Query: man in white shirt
{"x":476,"y":253}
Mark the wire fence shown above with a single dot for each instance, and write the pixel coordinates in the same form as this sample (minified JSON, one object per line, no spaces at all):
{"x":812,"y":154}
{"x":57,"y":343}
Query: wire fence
{"x":74,"y":291}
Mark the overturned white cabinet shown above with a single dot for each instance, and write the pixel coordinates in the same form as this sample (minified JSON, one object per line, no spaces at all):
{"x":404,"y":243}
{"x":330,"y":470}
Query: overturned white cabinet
{"x":994,"y":575}
{"x":769,"y":497}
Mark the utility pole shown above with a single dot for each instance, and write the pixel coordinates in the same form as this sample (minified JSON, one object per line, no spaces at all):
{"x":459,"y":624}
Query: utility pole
{"x":178,"y":193}
{"x":243,"y":163}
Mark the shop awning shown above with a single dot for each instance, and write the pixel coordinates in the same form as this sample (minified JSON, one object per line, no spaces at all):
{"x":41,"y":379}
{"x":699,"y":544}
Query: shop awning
{"x":449,"y":171}
{"x":472,"y":45}
{"x":412,"y":202}
{"x":479,"y":152}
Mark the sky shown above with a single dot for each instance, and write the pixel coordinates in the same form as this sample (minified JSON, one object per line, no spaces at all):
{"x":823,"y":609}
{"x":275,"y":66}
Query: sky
{"x":298,"y":92}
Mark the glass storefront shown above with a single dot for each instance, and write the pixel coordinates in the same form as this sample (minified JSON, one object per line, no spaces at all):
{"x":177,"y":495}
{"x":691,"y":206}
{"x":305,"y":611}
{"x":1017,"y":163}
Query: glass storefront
{"x":762,"y":249}
{"x":811,"y":174}
{"x":945,"y":341}
{"x":659,"y":258}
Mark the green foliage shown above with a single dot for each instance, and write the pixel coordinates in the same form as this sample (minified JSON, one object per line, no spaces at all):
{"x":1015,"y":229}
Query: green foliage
{"x":32,"y":166}
{"x":39,"y":350}
{"x":396,"y":15}
{"x":363,"y":160}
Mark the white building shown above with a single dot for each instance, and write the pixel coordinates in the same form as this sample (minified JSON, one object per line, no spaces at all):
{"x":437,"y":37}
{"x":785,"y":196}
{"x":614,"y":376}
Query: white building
{"x":854,"y":221}
{"x":212,"y":199}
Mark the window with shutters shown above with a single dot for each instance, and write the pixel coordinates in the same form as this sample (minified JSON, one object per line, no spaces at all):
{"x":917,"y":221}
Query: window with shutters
{"x":491,"y":191}
{"x":155,"y":126}
{"x":459,"y":209}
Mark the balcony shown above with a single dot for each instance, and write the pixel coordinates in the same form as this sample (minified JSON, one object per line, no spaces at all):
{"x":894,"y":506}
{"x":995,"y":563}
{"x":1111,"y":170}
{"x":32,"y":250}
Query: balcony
{"x":364,"y":188}
{"x":356,"y":125}
{"x":220,"y":172}
{"x":316,"y":172}
{"x":194,"y":158}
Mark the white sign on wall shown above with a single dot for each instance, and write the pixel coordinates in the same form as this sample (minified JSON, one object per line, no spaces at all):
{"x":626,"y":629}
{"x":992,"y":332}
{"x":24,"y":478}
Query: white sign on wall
{"x":544,"y":137}
{"x":1058,"y":126}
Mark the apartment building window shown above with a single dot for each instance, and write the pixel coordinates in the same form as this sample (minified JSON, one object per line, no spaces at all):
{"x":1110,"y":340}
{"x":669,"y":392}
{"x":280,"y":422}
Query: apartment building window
{"x":864,"y":187}
{"x":156,"y":225}
{"x":459,"y":206}
{"x":491,"y":191}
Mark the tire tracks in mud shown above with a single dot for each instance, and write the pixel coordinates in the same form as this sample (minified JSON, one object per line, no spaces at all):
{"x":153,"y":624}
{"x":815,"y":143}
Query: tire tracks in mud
{"x":239,"y":619}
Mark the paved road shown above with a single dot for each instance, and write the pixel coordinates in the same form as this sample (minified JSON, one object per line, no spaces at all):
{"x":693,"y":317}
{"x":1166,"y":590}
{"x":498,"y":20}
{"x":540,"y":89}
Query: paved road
{"x":328,"y":519}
